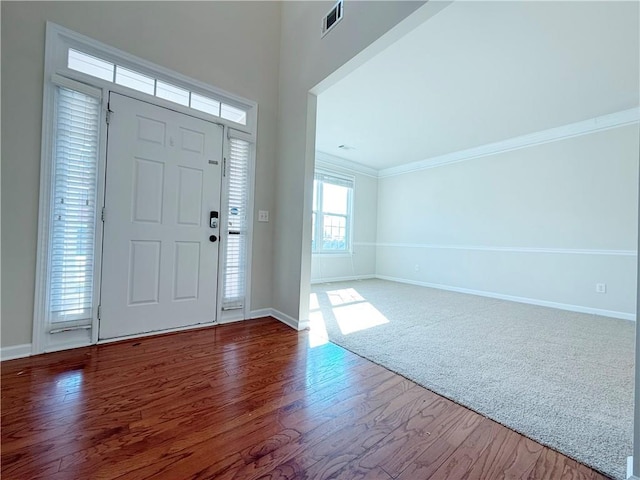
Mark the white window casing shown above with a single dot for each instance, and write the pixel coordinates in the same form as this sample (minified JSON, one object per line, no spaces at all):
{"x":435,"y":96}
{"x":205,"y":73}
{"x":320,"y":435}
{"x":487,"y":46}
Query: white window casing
{"x":73,"y":147}
{"x":332,"y":215}
{"x":235,"y":251}
{"x":74,"y":195}
{"x":235,"y":285}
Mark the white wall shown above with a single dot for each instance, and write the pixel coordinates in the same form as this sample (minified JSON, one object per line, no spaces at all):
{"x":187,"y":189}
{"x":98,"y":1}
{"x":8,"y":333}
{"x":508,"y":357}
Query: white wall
{"x":362,"y":262}
{"x":575,"y":199}
{"x":305,"y":61}
{"x":231,"y":45}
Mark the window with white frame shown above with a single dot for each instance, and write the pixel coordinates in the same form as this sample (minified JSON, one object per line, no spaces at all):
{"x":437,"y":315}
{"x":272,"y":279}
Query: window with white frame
{"x":112,"y":72}
{"x":73,"y":212}
{"x":332,"y":212}
{"x":235,"y":256}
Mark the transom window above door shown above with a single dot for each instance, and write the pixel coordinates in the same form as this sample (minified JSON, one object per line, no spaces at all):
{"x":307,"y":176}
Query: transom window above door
{"x":112,"y":72}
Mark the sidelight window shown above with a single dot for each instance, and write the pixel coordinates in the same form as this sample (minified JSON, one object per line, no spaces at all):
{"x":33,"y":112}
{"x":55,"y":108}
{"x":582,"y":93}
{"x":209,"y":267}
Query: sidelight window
{"x":235,"y":262}
{"x":73,"y":212}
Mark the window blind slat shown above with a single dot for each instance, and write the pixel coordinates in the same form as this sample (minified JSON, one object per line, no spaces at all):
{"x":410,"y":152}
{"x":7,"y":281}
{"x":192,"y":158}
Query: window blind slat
{"x":236,"y":247}
{"x":72,"y":236}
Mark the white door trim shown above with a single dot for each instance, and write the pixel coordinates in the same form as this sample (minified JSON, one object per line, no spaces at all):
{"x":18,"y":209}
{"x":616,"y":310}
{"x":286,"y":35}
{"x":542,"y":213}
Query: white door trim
{"x":160,"y":267}
{"x":58,"y":40}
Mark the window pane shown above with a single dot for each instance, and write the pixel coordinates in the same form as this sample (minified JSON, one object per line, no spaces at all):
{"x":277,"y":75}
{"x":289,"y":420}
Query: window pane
{"x":234,"y":114}
{"x":135,"y":80}
{"x":205,"y":104}
{"x":334,"y":230}
{"x":172,"y":93}
{"x":334,"y":198}
{"x":81,"y":62}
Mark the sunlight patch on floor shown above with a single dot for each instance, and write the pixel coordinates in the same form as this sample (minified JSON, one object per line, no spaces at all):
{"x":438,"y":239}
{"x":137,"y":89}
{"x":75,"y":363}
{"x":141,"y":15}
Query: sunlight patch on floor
{"x":357,"y":317}
{"x":346,"y":308}
{"x":346,"y":295}
{"x":313,"y":302}
{"x":317,"y":328}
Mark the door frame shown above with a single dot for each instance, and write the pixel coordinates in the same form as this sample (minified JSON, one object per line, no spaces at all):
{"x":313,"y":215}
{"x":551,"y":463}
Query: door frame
{"x":173,"y":159}
{"x":56,"y":73}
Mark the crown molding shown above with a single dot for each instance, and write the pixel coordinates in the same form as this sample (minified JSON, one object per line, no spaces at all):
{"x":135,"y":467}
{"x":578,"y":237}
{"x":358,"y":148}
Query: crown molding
{"x":597,"y":124}
{"x":327,"y":160}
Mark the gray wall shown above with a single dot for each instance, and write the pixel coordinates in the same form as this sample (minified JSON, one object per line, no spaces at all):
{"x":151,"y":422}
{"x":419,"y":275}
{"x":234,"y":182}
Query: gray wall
{"x":579,"y":193}
{"x":231,"y":45}
{"x":305,"y":61}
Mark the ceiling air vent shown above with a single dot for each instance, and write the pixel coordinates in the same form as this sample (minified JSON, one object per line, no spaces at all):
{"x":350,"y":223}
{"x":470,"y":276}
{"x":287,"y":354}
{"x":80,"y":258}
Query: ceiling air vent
{"x":332,"y":18}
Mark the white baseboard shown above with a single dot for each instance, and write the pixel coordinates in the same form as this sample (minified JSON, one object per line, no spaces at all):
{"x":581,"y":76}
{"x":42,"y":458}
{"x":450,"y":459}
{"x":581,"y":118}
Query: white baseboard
{"x":263,"y":312}
{"x":283,"y":317}
{"x":21,"y":351}
{"x":304,"y":325}
{"x":630,"y":475}
{"x":341,"y":279}
{"x":65,"y":346}
{"x":226,"y":321}
{"x":15,"y":351}
{"x":512,"y":298}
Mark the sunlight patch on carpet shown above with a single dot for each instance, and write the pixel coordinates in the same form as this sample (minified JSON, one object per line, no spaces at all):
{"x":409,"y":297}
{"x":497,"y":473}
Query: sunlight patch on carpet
{"x":357,"y":317}
{"x":344,"y":296}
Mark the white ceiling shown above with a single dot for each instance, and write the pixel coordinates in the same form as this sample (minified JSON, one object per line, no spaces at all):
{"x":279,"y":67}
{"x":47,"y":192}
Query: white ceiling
{"x":480,"y":72}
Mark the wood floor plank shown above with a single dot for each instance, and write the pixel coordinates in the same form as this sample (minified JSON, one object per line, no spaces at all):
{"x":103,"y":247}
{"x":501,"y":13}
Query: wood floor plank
{"x":353,"y":472}
{"x":244,"y":408}
{"x":397,"y":450}
{"x":245,"y":401}
{"x":553,"y":465}
{"x":242,"y":436}
{"x":491,"y":451}
{"x":356,"y":439}
{"x":449,"y":432}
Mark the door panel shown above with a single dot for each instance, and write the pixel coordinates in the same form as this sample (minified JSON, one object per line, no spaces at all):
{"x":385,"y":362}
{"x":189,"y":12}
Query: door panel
{"x":160,"y":269}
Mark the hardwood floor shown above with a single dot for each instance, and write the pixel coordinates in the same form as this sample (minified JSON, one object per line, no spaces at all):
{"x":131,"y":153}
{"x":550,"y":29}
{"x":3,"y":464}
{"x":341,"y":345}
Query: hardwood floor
{"x":246,"y":401}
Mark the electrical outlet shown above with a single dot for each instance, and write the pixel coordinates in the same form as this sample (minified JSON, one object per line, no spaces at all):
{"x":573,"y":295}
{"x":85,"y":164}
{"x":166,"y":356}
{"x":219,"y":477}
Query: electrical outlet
{"x":417,"y":268}
{"x":601,"y":288}
{"x":263,"y":215}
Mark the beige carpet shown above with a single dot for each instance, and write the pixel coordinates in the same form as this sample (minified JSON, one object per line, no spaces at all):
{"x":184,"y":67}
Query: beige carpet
{"x":562,"y":378}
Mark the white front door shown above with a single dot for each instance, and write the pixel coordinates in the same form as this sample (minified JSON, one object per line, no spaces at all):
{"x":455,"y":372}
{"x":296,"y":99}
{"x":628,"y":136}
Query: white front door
{"x":160,"y":254}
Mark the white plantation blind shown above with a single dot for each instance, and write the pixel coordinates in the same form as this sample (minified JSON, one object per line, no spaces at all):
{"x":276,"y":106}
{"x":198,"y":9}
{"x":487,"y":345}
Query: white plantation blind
{"x":73,"y":222}
{"x":235,"y":263}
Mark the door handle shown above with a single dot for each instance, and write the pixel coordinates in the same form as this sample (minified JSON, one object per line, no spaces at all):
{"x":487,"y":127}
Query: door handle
{"x":213,"y":238}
